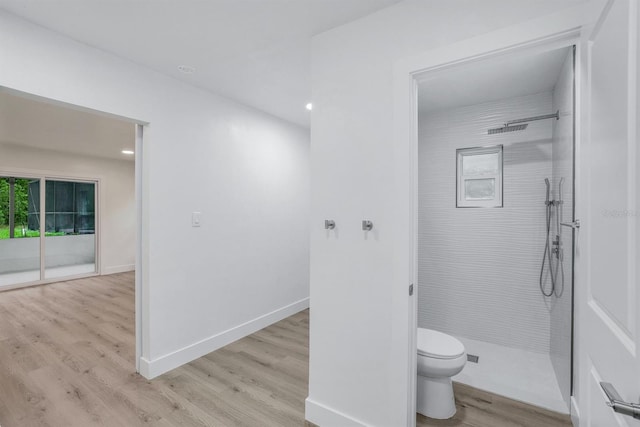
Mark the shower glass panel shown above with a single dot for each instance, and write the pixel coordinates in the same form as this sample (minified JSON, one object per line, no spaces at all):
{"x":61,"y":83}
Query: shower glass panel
{"x":19,"y":230}
{"x":70,"y":221}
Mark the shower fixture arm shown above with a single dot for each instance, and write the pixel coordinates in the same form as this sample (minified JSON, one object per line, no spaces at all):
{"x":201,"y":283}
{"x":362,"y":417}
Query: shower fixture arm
{"x":555,"y":115}
{"x":521,"y":124}
{"x":573,"y":224}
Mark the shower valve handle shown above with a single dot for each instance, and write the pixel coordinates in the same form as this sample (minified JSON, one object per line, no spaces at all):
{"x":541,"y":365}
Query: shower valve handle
{"x":574,"y":224}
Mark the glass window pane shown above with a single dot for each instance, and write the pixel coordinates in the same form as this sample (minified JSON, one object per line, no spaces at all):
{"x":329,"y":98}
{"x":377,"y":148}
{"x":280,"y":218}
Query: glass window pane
{"x":19,"y":230}
{"x":85,"y":208}
{"x":50,"y":196}
{"x":70,"y":239}
{"x":474,"y":164}
{"x":480,"y":189}
{"x":63,"y":196}
{"x":33,"y":208}
{"x":64,"y":223}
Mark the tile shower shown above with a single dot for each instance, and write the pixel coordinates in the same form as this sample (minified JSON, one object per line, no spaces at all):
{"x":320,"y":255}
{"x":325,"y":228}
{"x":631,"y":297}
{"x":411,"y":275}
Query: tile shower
{"x":479,"y":268}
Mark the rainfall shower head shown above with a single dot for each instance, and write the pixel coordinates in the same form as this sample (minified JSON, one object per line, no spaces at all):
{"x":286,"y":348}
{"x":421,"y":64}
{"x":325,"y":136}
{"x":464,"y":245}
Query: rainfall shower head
{"x":508,"y":128}
{"x":521,"y":124}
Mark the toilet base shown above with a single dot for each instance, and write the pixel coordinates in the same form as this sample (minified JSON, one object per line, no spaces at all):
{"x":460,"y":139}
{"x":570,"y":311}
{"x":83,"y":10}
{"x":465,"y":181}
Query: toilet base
{"x":435,"y":397}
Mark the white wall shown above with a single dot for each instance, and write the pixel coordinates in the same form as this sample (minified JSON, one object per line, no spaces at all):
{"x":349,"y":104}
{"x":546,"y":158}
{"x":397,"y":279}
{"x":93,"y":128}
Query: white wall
{"x":478,"y":269}
{"x":561,"y":316}
{"x":117,"y":194}
{"x":246,"y":171}
{"x":357,"y":377}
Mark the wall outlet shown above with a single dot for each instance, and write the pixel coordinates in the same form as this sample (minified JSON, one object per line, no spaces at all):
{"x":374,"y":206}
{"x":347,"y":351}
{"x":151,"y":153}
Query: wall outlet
{"x":196,"y":219}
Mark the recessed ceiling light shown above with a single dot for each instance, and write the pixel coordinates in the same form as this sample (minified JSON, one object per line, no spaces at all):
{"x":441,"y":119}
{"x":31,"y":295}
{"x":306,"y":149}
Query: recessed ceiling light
{"x":127,"y":152}
{"x":309,"y":106}
{"x":187,"y":69}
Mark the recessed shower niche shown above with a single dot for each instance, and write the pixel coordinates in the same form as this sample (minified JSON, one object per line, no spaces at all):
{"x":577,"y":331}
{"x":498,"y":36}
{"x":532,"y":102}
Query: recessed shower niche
{"x":496,"y":180}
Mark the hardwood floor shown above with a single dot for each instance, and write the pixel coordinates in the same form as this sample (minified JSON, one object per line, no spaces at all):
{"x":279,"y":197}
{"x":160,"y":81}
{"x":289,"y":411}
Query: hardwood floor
{"x":477,"y":408}
{"x":67,"y":359}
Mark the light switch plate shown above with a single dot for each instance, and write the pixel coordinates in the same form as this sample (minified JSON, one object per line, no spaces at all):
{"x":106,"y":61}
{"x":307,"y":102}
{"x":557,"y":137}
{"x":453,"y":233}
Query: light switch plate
{"x":196,"y":218}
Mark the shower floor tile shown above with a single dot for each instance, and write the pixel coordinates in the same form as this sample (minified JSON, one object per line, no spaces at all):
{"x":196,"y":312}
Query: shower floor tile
{"x":518,"y":374}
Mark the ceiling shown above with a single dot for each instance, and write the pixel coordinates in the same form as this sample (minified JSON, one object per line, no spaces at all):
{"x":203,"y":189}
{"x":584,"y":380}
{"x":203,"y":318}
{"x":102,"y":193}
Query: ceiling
{"x":491,"y":80}
{"x":42,"y":125}
{"x":253,"y":51}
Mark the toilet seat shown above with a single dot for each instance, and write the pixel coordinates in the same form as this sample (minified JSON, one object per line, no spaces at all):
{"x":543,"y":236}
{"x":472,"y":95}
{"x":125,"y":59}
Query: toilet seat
{"x":438,"y":345}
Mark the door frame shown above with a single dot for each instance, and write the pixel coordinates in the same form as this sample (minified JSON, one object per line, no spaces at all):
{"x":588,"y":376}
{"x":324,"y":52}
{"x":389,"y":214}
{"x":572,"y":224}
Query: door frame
{"x":560,"y":29}
{"x":142,"y":145}
{"x":43,"y":177}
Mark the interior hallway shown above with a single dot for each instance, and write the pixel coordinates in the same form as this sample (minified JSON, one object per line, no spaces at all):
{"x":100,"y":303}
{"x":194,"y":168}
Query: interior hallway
{"x":67,"y":356}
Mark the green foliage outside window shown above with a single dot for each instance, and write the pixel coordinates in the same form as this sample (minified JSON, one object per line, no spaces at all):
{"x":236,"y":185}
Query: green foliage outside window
{"x":21,"y":189}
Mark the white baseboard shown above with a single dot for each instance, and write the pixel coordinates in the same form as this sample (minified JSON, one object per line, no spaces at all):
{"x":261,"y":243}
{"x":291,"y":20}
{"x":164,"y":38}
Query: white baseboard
{"x":118,"y":269}
{"x":575,"y":412}
{"x":322,"y":416}
{"x":143,"y":368}
{"x":152,"y":368}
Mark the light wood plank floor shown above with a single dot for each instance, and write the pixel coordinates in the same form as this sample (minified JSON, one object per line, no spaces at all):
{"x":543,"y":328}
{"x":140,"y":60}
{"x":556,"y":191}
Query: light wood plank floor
{"x":67,"y":354}
{"x":67,"y":359}
{"x":477,"y":408}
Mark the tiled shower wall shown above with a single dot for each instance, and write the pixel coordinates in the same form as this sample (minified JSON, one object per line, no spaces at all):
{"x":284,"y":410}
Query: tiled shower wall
{"x":479,"y":267}
{"x":563,"y":168}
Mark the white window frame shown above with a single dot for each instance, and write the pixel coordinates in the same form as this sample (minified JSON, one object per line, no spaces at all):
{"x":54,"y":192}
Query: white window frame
{"x":44,"y":176}
{"x":461,"y":201}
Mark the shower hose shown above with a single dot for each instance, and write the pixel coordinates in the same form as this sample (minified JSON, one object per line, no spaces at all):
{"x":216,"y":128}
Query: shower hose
{"x":557,"y":288}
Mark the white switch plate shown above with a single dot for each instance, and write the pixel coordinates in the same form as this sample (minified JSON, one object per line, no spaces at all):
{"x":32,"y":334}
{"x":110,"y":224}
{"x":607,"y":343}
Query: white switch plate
{"x":196,"y":219}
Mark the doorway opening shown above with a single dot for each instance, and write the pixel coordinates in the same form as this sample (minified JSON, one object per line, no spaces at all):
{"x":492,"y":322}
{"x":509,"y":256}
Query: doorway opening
{"x":494,"y":213}
{"x":67,"y":193}
{"x":70,"y":195}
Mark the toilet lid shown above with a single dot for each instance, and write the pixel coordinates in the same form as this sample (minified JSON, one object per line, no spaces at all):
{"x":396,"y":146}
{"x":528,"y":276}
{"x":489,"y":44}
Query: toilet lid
{"x":438,"y":345}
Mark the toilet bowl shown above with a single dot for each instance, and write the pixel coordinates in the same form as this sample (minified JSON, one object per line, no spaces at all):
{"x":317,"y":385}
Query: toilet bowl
{"x":440,"y":357}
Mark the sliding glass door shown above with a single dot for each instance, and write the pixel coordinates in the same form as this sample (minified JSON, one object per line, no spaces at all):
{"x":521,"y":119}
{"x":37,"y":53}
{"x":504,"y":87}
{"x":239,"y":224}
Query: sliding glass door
{"x":19,"y":230}
{"x":68,"y":224}
{"x":70,"y":243}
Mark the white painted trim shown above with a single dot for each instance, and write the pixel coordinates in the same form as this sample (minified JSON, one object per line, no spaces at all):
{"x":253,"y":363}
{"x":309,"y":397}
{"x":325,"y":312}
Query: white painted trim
{"x":323,"y":415}
{"x":118,"y":269}
{"x":545,"y":33}
{"x":63,"y":104}
{"x":152,"y":368}
{"x":143,"y":281}
{"x":551,"y":31}
{"x":144,"y":367}
{"x":99,"y":201}
{"x":138,"y":306}
{"x":575,"y":412}
{"x":49,"y":174}
{"x":42,"y":185}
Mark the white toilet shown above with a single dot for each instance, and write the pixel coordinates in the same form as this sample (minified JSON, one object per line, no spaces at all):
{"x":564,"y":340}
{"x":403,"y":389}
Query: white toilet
{"x":440,"y":357}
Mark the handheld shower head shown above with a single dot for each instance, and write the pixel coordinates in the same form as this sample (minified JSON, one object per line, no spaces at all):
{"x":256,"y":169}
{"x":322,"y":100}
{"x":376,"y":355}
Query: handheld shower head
{"x":546,"y":181}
